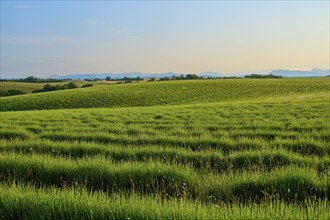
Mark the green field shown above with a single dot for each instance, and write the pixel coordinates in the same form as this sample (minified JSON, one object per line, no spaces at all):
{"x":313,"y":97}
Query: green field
{"x":204,"y":149}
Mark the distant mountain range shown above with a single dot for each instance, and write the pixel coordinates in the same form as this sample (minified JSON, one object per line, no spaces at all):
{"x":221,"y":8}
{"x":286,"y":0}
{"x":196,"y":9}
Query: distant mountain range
{"x":299,"y":73}
{"x":285,"y":73}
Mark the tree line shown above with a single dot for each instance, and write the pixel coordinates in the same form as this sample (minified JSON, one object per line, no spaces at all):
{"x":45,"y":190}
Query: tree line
{"x":181,"y":77}
{"x":70,"y":85}
{"x":46,"y":88}
{"x":259,"y":76}
{"x":32,"y":79}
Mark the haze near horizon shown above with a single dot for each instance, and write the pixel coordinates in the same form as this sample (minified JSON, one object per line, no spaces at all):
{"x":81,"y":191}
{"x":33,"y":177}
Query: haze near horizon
{"x":47,"y":38}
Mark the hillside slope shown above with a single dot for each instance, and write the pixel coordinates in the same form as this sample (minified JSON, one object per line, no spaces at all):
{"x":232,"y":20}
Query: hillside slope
{"x":164,"y":93}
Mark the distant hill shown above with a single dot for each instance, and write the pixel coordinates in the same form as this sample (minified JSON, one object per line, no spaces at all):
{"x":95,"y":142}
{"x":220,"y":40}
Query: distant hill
{"x":299,"y":73}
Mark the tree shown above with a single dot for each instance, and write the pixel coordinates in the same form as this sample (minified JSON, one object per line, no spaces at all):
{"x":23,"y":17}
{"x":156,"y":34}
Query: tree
{"x":259,"y":76}
{"x":192,"y":76}
{"x":48,"y":87}
{"x":31,"y":79}
{"x":87,"y":85}
{"x":72,"y":85}
{"x":108,"y":78}
{"x":12,"y":92}
{"x":164,"y":79}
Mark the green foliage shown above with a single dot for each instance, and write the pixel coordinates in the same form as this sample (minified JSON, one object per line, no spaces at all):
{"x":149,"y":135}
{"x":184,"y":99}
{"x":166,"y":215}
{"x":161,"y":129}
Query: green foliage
{"x":72,"y":85}
{"x":87,"y":85}
{"x":164,"y":79}
{"x":259,"y":76}
{"x":29,"y":87}
{"x":48,"y":87}
{"x":131,"y":79}
{"x":12,"y":92}
{"x":182,"y":77}
{"x":32,"y":79}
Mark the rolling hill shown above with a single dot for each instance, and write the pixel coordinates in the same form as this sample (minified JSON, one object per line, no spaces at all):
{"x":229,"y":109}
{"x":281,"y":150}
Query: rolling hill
{"x":164,"y":93}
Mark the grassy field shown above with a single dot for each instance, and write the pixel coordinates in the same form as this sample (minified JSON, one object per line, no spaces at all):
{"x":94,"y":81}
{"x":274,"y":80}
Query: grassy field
{"x":205,"y":149}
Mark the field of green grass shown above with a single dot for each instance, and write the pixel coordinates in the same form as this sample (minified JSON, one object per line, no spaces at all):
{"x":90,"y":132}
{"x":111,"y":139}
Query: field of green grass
{"x":204,"y":149}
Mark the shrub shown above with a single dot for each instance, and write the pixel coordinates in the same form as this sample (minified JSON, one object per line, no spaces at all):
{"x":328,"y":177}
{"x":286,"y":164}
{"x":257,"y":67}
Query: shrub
{"x":72,"y":85}
{"x":87,"y":85}
{"x":12,"y":92}
{"x":48,"y":88}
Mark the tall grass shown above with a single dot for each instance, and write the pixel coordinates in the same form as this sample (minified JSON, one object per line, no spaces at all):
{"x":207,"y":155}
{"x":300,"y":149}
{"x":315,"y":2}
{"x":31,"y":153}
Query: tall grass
{"x":96,"y":173}
{"x":203,"y":161}
{"x":27,"y":202}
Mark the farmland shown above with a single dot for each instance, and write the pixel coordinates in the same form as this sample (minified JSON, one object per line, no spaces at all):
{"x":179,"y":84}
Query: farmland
{"x":204,"y":149}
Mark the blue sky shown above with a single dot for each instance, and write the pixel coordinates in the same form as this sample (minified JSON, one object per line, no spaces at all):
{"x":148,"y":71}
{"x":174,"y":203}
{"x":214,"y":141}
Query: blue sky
{"x":62,"y":37}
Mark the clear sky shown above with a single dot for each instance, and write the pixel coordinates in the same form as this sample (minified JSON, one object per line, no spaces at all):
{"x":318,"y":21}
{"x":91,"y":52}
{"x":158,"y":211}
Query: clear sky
{"x":63,"y":37}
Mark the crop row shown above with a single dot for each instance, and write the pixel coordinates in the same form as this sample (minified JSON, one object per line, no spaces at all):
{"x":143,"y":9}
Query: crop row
{"x":96,"y":173}
{"x":302,"y":146}
{"x":199,"y":160}
{"x":224,"y":145}
{"x":193,"y":131}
